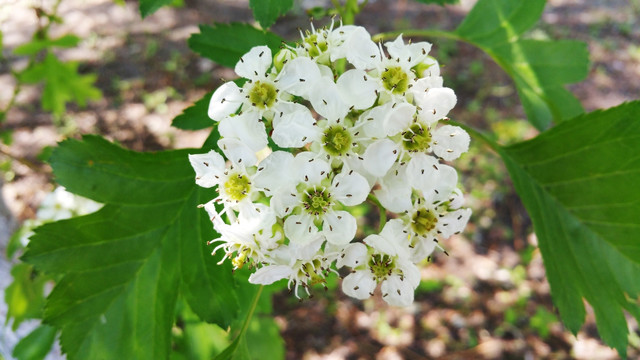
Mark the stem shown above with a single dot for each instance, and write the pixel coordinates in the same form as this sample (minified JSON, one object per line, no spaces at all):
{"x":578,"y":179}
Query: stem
{"x":417,"y":33}
{"x":254,"y":304}
{"x":382,"y":210}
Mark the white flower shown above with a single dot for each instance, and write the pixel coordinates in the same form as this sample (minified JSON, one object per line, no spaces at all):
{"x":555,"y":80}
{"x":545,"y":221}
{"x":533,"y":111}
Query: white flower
{"x":386,"y":262}
{"x":235,"y":188}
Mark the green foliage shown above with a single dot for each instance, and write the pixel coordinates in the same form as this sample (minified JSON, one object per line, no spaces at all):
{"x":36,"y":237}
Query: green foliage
{"x":25,"y":295}
{"x":268,"y":11}
{"x":63,"y":84}
{"x":541,"y":320}
{"x":148,"y":7}
{"x":36,"y":45}
{"x":225,"y":44}
{"x":577,"y":183}
{"x":540,"y":69}
{"x":36,"y":345}
{"x":125,"y":265}
{"x":195,"y":117}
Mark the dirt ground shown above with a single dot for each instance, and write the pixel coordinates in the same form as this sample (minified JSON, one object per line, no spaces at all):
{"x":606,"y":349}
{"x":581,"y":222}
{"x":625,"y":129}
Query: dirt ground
{"x":488,"y":300}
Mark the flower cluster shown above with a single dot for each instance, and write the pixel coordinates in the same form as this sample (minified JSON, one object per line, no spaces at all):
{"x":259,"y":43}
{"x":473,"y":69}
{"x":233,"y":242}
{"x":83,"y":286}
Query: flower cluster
{"x":315,"y":131}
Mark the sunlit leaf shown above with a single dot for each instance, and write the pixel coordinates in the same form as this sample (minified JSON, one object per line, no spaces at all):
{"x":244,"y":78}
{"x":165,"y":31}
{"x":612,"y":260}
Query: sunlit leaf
{"x":540,"y":69}
{"x":578,"y":183}
{"x":36,"y":345}
{"x":268,"y":11}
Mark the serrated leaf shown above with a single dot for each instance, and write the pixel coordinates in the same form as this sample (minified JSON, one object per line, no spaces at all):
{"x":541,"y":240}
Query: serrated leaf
{"x":268,"y":11}
{"x":36,"y":345}
{"x":36,"y":45}
{"x":63,"y":84}
{"x":578,"y":183}
{"x":225,"y":44}
{"x":148,"y":7}
{"x":122,"y":267}
{"x":195,"y":116}
{"x":540,"y":69}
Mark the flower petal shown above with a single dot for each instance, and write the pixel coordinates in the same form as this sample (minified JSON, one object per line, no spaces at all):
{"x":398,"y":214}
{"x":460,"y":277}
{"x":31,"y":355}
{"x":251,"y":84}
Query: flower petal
{"x":208,"y":167}
{"x":237,"y":151}
{"x":449,"y":142}
{"x":396,"y":291}
{"x":339,"y":227}
{"x":453,"y":222}
{"x":298,"y":76}
{"x":267,"y":275}
{"x":435,"y":104}
{"x":300,"y":228}
{"x":326,"y":99}
{"x":357,"y":89}
{"x":380,"y":156}
{"x":226,"y":100}
{"x":353,"y":255}
{"x":274,"y":172}
{"x":399,"y":118}
{"x":350,"y":188}
{"x":359,"y":285}
{"x":255,"y":63}
{"x":293,"y":126}
{"x":247,"y":128}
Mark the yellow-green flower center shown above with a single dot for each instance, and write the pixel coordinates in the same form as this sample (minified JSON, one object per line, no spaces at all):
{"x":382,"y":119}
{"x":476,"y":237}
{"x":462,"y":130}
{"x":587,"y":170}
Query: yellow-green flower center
{"x":336,"y":140}
{"x":315,"y":45}
{"x":417,"y":138}
{"x":395,"y":80}
{"x":381,"y":266}
{"x":237,"y":187}
{"x":423,"y":221}
{"x":262,"y":95}
{"x":316,"y":201}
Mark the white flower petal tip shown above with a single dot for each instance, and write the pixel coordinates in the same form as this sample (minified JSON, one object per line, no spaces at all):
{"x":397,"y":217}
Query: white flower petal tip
{"x":450,"y":142}
{"x":269,"y":274}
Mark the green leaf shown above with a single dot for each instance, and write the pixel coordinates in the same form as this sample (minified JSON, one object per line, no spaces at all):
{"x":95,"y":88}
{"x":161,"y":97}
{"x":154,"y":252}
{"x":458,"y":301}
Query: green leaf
{"x":25,"y":295}
{"x":578,"y":183}
{"x":195,"y":117}
{"x":540,"y":69}
{"x":268,"y":11}
{"x":225,"y":44}
{"x":438,"y":2}
{"x":36,"y":345}
{"x":36,"y":45}
{"x":148,"y":7}
{"x":63,"y":84}
{"x":123,"y":267}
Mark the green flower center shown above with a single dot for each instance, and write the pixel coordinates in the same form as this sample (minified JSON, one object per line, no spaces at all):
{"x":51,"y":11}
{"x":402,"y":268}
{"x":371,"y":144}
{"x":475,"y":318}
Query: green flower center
{"x":336,"y":140}
{"x":381,"y":266}
{"x":423,"y":221}
{"x":316,"y":201}
{"x":315,"y":45}
{"x":237,"y":187}
{"x":262,"y":95}
{"x":417,"y":138}
{"x":395,"y":80}
{"x":313,"y":272}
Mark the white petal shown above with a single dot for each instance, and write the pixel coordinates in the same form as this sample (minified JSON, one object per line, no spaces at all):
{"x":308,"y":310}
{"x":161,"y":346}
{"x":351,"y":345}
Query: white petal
{"x":293,"y":126}
{"x":380,"y":244}
{"x":395,"y":191}
{"x":309,"y":169}
{"x":350,"y":188}
{"x":255,"y":63}
{"x":453,"y":222}
{"x":300,"y":228}
{"x":298,"y":76}
{"x":357,"y":89}
{"x":435,"y":104}
{"x":424,"y":85}
{"x":393,"y":232}
{"x":409,"y":54}
{"x":246,"y":127}
{"x":380,"y":156}
{"x":282,"y":201}
{"x":274,"y":172}
{"x":423,"y":248}
{"x":410,"y":272}
{"x":326,"y":100}
{"x":435,"y":180}
{"x":449,"y":142}
{"x":208,"y":167}
{"x":353,"y":255}
{"x":373,"y":121}
{"x":397,"y":292}
{"x":339,"y":227}
{"x":225,"y":101}
{"x":267,"y":275}
{"x":399,"y":118}
{"x":359,"y":285}
{"x":354,"y":43}
{"x":237,"y":151}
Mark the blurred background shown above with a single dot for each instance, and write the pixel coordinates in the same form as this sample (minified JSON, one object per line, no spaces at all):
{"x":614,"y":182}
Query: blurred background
{"x":488,"y":299}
